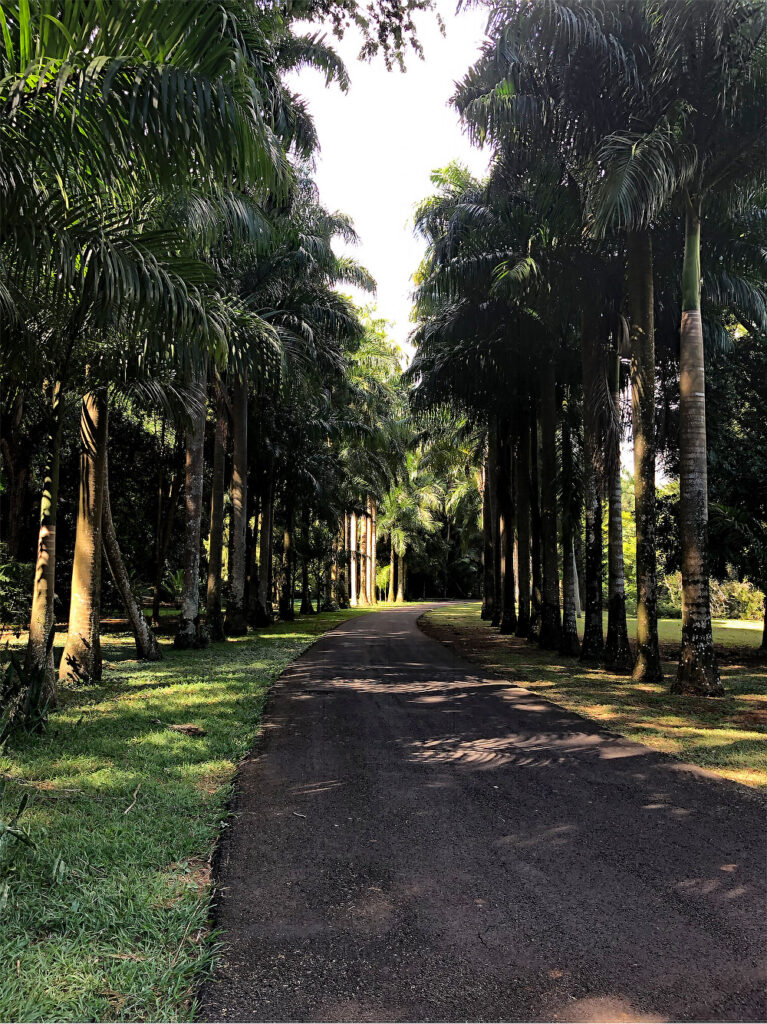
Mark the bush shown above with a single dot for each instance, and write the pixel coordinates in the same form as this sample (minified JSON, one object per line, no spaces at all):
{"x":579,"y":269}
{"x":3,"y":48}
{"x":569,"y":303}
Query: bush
{"x":730,"y":598}
{"x":16,"y":579}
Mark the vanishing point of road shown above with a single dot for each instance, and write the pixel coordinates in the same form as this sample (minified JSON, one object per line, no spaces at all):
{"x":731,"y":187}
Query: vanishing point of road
{"x":415,"y":841}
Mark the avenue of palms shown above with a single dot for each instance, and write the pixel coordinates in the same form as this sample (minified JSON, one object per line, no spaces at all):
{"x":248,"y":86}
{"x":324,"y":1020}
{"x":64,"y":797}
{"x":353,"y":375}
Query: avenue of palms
{"x":204,"y":438}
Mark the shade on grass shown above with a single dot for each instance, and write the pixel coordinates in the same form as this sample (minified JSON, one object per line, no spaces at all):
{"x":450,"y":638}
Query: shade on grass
{"x":107,"y":918}
{"x":725,"y":735}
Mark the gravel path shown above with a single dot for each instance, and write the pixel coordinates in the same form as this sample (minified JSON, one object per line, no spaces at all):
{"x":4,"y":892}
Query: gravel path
{"x":414,"y":842}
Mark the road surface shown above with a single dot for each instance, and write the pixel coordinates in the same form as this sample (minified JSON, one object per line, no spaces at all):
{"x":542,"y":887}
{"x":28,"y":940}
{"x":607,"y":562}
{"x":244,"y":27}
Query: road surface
{"x":413,"y":841}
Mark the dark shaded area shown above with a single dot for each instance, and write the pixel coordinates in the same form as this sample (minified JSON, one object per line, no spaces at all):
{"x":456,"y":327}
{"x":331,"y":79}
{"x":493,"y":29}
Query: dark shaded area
{"x":414,"y":842}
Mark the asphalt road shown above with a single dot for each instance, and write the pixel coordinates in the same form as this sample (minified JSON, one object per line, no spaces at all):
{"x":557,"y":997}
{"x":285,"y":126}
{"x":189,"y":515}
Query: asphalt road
{"x":413,"y":841}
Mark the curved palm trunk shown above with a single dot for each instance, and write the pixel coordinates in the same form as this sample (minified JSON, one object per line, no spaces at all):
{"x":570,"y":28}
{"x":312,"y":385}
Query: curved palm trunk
{"x":592,"y":647}
{"x":392,"y":573}
{"x":488,"y":596}
{"x":262,"y":612}
{"x":535,"y":533}
{"x":147,"y":647}
{"x":213,"y":616}
{"x":401,"y":580}
{"x":523,"y":526}
{"x":189,"y":633}
{"x":570,"y":644}
{"x":618,"y":656}
{"x":236,"y":623}
{"x":508,"y":623}
{"x":495,"y":520}
{"x":551,"y":623}
{"x":41,"y":622}
{"x":641,"y":305}
{"x":82,"y":654}
{"x":698,"y":672}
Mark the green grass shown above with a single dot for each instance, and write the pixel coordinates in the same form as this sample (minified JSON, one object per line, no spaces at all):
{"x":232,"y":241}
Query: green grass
{"x":107,"y":919}
{"x":727,"y":736}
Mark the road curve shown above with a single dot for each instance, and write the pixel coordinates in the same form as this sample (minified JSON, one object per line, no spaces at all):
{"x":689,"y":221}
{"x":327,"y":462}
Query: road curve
{"x":413,"y":841}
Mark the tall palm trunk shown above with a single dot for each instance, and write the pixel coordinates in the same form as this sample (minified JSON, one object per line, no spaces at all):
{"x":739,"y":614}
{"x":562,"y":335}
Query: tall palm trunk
{"x":252,"y":597}
{"x":551,"y":622}
{"x":641,"y":306}
{"x":570,"y":644}
{"x":592,"y":366}
{"x":488,"y":580}
{"x":362,"y":597}
{"x":493,"y":456}
{"x":147,"y":647}
{"x":236,"y":623}
{"x":698,"y":672}
{"x":82,"y":654}
{"x":307,"y":608}
{"x":618,"y":656}
{"x":166,"y":514}
{"x":392,"y":572}
{"x":353,"y":560}
{"x":508,"y":623}
{"x":401,"y":580}
{"x":342,"y":564}
{"x":262,"y":613}
{"x":535,"y":532}
{"x":374,"y":550}
{"x":523,"y":525}
{"x":287,"y":611}
{"x":189,"y":634}
{"x":41,"y":622}
{"x":213,"y":615}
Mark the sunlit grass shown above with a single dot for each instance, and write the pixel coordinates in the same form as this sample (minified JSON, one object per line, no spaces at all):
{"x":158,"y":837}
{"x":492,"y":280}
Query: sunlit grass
{"x":107,"y":919}
{"x":727,"y":736}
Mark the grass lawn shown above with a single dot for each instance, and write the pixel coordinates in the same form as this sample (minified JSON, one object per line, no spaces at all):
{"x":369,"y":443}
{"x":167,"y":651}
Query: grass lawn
{"x":727,"y":736}
{"x":107,"y":918}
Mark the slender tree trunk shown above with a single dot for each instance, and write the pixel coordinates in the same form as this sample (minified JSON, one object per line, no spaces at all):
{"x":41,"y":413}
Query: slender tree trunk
{"x":353,"y":560}
{"x":39,"y":649}
{"x":189,"y":634}
{"x":488,"y":580}
{"x":262,"y":613}
{"x":592,"y":647}
{"x":374,"y":552}
{"x":307,"y":608}
{"x":82,"y":654}
{"x":253,"y":558}
{"x":523,"y":525}
{"x":342,"y":562}
{"x":535,"y":533}
{"x":362,"y":596}
{"x":236,"y":623}
{"x":401,"y":580}
{"x":392,"y":573}
{"x":551,"y":622}
{"x":495,"y":513}
{"x":641,"y":304}
{"x":147,"y":647}
{"x":618,"y":656}
{"x":698,"y":672}
{"x":508,"y":623}
{"x":333,"y":603}
{"x":213,"y":616}
{"x":287,"y":612}
{"x":764,"y":626}
{"x":165,"y":520}
{"x":570,"y":645}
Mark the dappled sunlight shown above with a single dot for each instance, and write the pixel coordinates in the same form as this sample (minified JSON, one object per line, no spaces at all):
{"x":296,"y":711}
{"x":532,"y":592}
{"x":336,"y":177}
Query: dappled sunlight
{"x":603,"y":1010}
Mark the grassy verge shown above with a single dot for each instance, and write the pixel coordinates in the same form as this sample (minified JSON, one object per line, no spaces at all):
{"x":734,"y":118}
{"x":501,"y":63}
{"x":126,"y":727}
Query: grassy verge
{"x":106,"y":919}
{"x":727,"y":736}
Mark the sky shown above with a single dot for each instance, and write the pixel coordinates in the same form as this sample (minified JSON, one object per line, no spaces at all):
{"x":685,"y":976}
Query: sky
{"x":381,"y":140}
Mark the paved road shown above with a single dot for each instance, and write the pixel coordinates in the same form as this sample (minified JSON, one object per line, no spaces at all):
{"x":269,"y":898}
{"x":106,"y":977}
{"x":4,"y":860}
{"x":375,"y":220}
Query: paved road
{"x":415,"y":842}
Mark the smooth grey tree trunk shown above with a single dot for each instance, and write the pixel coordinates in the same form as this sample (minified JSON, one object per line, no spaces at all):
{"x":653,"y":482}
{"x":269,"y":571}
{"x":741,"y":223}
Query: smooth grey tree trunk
{"x":592,"y":365}
{"x":190,"y":634}
{"x":551,"y":622}
{"x":236,"y":622}
{"x":213,"y":615}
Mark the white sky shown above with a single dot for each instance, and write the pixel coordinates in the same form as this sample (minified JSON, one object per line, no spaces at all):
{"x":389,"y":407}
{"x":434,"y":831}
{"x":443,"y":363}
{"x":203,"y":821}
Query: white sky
{"x":381,"y":140}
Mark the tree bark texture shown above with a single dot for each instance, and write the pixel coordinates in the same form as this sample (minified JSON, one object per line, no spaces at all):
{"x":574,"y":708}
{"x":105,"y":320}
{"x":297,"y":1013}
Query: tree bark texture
{"x":592,"y":365}
{"x":190,"y":634}
{"x":570,"y":644}
{"x":487,"y":545}
{"x":523,"y":526}
{"x":641,"y":308}
{"x":508,"y":623}
{"x":236,"y":623}
{"x":214,"y":618}
{"x":551,"y":622}
{"x":495,"y":518}
{"x":401,"y":580}
{"x":81,"y":659}
{"x":618,"y":655}
{"x":263,"y":613}
{"x":698,"y":672}
{"x":353,"y":600}
{"x":536,"y":600}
